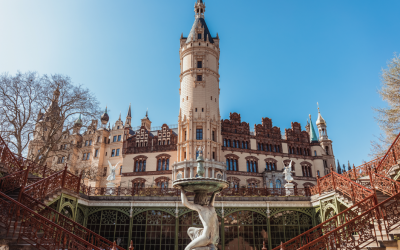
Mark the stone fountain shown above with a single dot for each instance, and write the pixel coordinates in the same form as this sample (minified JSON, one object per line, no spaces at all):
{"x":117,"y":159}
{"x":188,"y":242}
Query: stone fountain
{"x":205,"y":238}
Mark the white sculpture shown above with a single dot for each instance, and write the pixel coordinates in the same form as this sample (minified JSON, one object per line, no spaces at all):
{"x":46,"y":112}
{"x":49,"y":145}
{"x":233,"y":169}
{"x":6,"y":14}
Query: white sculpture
{"x":288,"y":173}
{"x":111,"y":177}
{"x":209,"y":235}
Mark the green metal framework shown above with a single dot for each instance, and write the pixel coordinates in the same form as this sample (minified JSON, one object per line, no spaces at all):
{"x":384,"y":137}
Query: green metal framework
{"x":165,"y":228}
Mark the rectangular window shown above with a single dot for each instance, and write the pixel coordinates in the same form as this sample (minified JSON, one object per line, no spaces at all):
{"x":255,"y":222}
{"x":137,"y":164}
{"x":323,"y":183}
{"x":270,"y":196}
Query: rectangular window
{"x":119,"y":138}
{"x":105,"y":139}
{"x":96,"y":153}
{"x":185,"y":135}
{"x":86,"y":143}
{"x":315,"y":153}
{"x":87,"y":156}
{"x":199,"y":36}
{"x":98,"y":138}
{"x":117,"y":154}
{"x":199,"y":134}
{"x":90,"y":143}
{"x":199,"y":78}
{"x":113,"y":153}
{"x":84,"y":157}
{"x":199,"y":64}
{"x":214,"y":155}
{"x":114,"y":138}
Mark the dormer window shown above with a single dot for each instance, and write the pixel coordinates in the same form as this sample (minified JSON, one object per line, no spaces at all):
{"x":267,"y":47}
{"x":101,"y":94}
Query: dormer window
{"x":199,"y":36}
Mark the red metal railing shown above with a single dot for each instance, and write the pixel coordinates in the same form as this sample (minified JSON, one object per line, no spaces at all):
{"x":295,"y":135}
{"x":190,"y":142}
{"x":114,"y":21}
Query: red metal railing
{"x":36,"y":229}
{"x":173,"y":192}
{"x":361,"y":170}
{"x":364,"y":197}
{"x":12,"y":181}
{"x":361,"y":230}
{"x":391,"y":156}
{"x":65,"y":222}
{"x":13,"y":163}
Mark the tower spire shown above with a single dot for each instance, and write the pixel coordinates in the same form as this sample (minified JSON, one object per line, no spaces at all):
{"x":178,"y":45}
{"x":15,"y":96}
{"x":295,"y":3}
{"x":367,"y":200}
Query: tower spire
{"x":128,"y":117}
{"x":313,"y":135}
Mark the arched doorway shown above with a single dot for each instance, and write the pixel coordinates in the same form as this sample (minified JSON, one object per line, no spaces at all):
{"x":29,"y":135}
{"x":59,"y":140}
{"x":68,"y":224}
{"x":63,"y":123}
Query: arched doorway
{"x":245,"y":230}
{"x":111,"y":224}
{"x":153,"y":230}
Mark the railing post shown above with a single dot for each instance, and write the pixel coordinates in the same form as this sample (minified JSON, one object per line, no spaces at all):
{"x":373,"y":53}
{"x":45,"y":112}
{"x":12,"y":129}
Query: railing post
{"x":371,"y":180}
{"x":79,"y":183}
{"x":26,"y":176}
{"x":319,"y":187}
{"x":44,"y":171}
{"x":333,"y":178}
{"x":64,"y":176}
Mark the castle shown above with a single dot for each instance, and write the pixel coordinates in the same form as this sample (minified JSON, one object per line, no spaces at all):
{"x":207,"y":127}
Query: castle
{"x":149,"y":156}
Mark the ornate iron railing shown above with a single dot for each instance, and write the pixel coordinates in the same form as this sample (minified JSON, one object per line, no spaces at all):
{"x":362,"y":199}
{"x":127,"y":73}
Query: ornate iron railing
{"x":13,"y":163}
{"x":13,"y":181}
{"x":37,"y":230}
{"x":66,"y":223}
{"x":361,"y":170}
{"x":391,"y":156}
{"x":172,"y":192}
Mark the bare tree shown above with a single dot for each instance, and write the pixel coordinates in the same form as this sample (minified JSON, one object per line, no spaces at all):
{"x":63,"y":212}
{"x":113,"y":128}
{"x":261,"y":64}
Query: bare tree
{"x":19,"y":105}
{"x":388,"y":118}
{"x":23,"y":98}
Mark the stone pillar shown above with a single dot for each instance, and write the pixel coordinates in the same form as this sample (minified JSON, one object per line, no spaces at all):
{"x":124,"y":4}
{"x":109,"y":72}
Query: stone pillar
{"x":184,"y":172}
{"x":213,"y":173}
{"x":206,"y":172}
{"x":191,"y":171}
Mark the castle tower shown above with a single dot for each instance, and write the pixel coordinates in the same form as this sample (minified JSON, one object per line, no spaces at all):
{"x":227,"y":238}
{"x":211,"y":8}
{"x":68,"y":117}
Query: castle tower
{"x":321,"y":125}
{"x":199,"y":117}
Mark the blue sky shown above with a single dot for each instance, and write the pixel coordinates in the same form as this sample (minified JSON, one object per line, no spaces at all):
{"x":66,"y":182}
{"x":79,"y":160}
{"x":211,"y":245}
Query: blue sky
{"x":278,"y":58}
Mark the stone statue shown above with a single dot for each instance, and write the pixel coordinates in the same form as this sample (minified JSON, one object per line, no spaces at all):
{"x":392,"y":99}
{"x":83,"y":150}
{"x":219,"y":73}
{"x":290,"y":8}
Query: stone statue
{"x":200,"y":163}
{"x":111,"y":177}
{"x":209,"y":235}
{"x":288,"y":173}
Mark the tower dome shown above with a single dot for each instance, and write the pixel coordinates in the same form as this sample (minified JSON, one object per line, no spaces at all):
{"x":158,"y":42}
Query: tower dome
{"x":104,"y":117}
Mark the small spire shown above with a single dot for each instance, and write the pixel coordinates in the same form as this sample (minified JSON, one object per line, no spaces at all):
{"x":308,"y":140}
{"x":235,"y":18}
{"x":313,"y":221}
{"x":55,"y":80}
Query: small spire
{"x":119,"y":115}
{"x":313,"y":135}
{"x":129,"y":111}
{"x":320,"y":120}
{"x":105,"y":111}
{"x":147,"y":113}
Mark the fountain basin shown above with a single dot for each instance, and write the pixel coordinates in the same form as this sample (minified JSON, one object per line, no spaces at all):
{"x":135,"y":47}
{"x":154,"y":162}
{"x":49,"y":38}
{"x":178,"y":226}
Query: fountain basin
{"x":200,"y":184}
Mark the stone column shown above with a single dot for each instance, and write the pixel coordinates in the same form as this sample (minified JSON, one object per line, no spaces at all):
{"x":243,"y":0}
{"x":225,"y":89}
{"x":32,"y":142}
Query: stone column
{"x":206,"y":172}
{"x":184,"y":172}
{"x":213,"y":173}
{"x":191,"y":171}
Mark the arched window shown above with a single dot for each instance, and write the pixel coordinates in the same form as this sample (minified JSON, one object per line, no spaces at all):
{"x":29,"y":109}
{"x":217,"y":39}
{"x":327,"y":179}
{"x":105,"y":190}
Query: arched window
{"x":167,"y":165}
{"x":235,"y":165}
{"x":234,"y":144}
{"x":144,"y":166}
{"x":278,"y":184}
{"x":179,"y":176}
{"x":227,"y":164}
{"x":159,"y":165}
{"x":248,"y":166}
{"x":229,"y":143}
{"x":137,"y":167}
{"x":243,"y":144}
{"x":224,"y":142}
{"x":318,"y":173}
{"x":267,"y":166}
{"x":271,"y":185}
{"x":163,"y":164}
